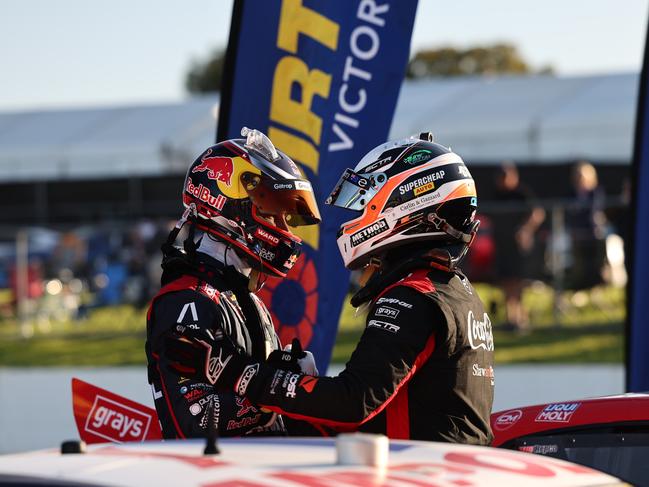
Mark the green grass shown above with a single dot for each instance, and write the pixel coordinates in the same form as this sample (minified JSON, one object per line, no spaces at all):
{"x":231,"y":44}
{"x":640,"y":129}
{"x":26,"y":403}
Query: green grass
{"x":590,"y":331}
{"x":110,"y":336}
{"x":585,"y":328}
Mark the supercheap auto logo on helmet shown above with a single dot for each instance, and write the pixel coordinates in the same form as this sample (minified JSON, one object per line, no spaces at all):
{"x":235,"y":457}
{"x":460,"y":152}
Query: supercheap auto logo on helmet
{"x":247,"y":193}
{"x":406,"y":191}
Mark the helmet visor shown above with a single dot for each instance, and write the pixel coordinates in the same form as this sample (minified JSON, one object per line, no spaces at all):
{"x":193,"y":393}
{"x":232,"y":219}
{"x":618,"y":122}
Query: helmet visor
{"x":291,"y":198}
{"x":354,"y":190}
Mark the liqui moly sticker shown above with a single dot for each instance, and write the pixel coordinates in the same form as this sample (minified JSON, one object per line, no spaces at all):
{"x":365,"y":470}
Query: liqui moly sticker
{"x":557,"y":413}
{"x":117,"y":422}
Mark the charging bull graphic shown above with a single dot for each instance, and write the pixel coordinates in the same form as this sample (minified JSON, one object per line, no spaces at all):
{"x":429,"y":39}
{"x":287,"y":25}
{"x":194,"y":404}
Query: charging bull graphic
{"x":218,"y":168}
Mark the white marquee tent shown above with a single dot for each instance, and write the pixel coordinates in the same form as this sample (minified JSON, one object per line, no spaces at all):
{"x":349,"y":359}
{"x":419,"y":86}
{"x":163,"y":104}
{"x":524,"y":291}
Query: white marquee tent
{"x":531,"y":119}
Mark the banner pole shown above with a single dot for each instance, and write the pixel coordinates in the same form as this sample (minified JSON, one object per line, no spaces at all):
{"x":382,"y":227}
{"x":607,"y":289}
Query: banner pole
{"x":227,"y":80}
{"x":637,"y":262}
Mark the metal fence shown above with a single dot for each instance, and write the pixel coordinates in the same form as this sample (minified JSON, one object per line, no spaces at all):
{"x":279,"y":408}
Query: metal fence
{"x":49,"y":274}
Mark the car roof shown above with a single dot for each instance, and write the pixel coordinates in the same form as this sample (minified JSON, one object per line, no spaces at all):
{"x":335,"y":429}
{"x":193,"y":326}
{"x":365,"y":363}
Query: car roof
{"x":524,"y":421}
{"x":289,"y":462}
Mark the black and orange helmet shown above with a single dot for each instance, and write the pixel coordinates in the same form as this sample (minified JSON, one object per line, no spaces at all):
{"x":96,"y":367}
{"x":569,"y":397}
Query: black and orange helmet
{"x":406,"y":191}
{"x":247,"y":193}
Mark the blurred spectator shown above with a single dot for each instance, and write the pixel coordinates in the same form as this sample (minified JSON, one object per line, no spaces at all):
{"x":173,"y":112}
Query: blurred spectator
{"x":69,"y":254}
{"x":106,"y":264}
{"x":587,"y":228}
{"x":33,"y":281}
{"x":515,"y":227}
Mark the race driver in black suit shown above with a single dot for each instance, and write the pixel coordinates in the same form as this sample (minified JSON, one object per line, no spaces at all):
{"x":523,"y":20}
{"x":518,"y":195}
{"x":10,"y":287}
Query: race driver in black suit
{"x":238,"y":196}
{"x":423,"y":368}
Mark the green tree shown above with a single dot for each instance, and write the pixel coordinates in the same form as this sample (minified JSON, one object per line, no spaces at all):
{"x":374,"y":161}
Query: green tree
{"x":450,"y":61}
{"x":205,"y":75}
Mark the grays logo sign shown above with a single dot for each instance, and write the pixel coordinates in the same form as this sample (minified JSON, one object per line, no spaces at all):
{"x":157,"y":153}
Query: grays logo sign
{"x":368,"y":232}
{"x":479,"y":332}
{"x":386,"y":312}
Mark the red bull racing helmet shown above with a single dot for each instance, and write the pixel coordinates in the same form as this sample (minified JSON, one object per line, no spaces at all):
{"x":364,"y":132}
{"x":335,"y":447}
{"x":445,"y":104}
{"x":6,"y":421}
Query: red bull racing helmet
{"x":404,"y":192}
{"x":247,"y":193}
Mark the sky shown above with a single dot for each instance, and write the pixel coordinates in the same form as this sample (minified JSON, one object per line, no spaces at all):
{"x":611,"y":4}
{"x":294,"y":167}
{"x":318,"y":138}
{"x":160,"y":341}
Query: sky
{"x":72,"y":53}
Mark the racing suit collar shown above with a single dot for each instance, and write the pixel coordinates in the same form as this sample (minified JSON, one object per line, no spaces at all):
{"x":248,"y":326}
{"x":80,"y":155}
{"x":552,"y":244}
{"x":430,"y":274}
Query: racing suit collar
{"x":208,"y":264}
{"x":394,"y":269}
{"x":177,"y":263}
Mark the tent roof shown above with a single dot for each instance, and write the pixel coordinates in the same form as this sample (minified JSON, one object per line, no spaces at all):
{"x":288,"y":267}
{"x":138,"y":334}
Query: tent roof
{"x":527,"y":118}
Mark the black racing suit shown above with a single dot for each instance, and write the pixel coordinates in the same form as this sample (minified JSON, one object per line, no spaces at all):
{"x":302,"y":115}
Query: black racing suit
{"x":422,"y":370}
{"x":206,"y":295}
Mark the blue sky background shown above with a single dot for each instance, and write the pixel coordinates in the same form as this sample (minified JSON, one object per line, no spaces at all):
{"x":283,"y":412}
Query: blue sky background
{"x":86,"y":53}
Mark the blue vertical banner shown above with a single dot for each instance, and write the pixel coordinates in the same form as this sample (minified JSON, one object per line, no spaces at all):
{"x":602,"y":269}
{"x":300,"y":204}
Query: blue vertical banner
{"x":321,"y":79}
{"x":637,"y":336}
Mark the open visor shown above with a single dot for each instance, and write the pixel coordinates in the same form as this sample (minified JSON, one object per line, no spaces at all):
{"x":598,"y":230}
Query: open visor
{"x":354,"y":190}
{"x":292,"y":198}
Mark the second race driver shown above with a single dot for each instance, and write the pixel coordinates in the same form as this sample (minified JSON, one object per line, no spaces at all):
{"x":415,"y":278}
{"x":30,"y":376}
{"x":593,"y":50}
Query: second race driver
{"x":423,"y":368}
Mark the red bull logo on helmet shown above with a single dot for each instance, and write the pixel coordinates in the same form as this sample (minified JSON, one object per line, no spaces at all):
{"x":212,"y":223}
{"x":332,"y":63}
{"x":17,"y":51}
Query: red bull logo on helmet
{"x":218,"y":168}
{"x":203,"y":194}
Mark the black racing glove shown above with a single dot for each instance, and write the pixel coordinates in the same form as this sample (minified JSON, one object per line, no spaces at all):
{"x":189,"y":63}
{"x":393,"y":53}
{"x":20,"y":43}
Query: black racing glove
{"x":211,"y":358}
{"x":287,"y":359}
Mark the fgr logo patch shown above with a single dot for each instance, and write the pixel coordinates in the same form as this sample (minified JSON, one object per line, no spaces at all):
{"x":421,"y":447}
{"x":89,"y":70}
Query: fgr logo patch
{"x":117,"y":422}
{"x":507,"y":419}
{"x":557,"y":413}
{"x":368,"y":232}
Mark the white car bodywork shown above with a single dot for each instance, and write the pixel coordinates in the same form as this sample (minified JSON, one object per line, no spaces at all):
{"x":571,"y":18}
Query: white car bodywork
{"x":256,"y":462}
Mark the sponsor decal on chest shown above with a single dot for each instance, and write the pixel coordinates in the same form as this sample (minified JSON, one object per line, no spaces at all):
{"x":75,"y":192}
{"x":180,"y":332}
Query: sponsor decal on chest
{"x":486,"y":372}
{"x":386,"y":312}
{"x":479,"y":332}
{"x":383,"y":325}
{"x":191,"y":307}
{"x":557,"y":413}
{"x":368,"y":232}
{"x":398,"y":302}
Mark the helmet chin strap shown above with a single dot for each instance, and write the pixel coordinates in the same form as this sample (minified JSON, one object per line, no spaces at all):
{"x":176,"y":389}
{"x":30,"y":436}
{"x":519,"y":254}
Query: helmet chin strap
{"x":222,"y":252}
{"x":228,"y":256}
{"x":254,"y":283}
{"x":368,"y":271}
